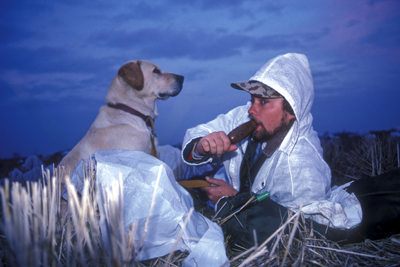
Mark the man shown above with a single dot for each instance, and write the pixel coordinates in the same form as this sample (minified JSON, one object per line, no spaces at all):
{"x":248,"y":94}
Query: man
{"x":286,"y":158}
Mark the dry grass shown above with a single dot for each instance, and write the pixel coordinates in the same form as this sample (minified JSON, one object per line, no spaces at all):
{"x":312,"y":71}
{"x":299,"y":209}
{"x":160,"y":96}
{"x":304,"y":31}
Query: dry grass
{"x":302,"y":246}
{"x":353,"y":157}
{"x":35,"y":232}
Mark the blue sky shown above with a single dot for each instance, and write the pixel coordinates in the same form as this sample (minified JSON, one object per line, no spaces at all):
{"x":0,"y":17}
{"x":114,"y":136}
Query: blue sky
{"x":59,"y":57}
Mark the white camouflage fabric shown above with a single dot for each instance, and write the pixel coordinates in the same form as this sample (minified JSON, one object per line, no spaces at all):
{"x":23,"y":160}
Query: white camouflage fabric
{"x":170,"y":225}
{"x":296,"y":174}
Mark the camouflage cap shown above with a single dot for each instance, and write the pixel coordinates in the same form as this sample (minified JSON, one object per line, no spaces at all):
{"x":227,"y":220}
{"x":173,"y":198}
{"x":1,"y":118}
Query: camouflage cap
{"x":257,"y":89}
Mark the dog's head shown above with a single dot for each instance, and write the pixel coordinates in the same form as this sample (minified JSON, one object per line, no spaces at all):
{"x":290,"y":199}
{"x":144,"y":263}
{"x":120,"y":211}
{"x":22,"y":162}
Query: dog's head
{"x":139,"y":84}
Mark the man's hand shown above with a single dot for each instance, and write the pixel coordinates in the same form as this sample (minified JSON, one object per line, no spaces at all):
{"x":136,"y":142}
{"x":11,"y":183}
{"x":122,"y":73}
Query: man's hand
{"x":222,"y":189}
{"x":217,"y":143}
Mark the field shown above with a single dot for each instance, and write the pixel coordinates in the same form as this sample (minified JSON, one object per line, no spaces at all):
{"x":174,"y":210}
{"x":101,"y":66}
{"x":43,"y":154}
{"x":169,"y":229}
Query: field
{"x":36,"y":230}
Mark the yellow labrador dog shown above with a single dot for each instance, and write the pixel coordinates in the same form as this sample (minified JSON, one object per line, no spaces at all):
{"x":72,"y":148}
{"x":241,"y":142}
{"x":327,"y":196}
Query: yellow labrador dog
{"x":125,"y":122}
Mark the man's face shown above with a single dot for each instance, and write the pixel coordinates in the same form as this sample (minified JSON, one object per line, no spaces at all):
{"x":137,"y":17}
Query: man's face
{"x":270,"y":116}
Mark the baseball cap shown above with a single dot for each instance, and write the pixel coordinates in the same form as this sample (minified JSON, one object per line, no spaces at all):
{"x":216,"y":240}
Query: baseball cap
{"x":256,"y":88}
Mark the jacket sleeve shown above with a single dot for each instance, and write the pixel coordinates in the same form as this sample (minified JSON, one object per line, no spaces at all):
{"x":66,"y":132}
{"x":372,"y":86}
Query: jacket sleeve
{"x":224,"y":122}
{"x":188,"y":150}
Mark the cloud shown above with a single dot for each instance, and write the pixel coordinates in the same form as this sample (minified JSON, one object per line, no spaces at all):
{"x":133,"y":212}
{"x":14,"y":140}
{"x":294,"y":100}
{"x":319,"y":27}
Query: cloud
{"x":316,"y":36}
{"x":41,"y":59}
{"x":331,"y":78}
{"x":53,"y":74}
{"x":49,"y":86}
{"x":160,"y":43}
{"x":372,"y":2}
{"x":385,"y":35}
{"x":143,"y":11}
{"x":142,"y":30}
{"x":30,"y":81}
{"x":13,"y":33}
{"x":11,"y":10}
{"x":211,"y":4}
{"x":353,"y":22}
{"x":199,"y":45}
{"x":270,"y":42}
{"x":361,"y":29}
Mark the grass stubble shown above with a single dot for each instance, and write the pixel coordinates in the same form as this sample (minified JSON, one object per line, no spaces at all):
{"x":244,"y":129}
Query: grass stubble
{"x":35,"y":229}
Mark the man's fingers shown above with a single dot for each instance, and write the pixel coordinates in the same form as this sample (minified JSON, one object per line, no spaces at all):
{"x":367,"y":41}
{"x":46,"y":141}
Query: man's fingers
{"x":214,"y":181}
{"x":217,"y":143}
{"x":220,"y":145}
{"x":220,"y":189}
{"x":206,"y":189}
{"x":205,"y":146}
{"x":213,"y":193}
{"x":232,"y":148}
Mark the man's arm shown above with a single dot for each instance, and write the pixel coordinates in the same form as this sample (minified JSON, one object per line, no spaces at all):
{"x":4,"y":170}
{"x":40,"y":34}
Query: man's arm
{"x":214,"y":144}
{"x":223,"y":122}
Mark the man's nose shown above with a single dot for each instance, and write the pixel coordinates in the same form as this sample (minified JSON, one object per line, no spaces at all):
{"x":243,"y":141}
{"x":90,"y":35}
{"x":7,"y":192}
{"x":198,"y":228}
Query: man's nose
{"x":252,"y":111}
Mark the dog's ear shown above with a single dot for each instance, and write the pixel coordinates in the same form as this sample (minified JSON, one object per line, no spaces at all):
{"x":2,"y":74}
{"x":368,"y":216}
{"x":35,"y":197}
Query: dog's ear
{"x":132,"y":74}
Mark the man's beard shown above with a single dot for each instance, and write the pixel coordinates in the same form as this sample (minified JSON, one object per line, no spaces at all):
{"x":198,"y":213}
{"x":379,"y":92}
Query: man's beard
{"x":265,"y":136}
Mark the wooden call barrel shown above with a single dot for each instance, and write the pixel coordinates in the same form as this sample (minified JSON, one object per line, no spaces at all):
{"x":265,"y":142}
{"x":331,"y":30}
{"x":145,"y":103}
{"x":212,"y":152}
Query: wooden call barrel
{"x":242,"y":131}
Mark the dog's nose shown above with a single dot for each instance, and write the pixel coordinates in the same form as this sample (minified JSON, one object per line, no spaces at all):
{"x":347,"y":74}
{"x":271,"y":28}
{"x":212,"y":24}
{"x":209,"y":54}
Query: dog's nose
{"x":180,"y":78}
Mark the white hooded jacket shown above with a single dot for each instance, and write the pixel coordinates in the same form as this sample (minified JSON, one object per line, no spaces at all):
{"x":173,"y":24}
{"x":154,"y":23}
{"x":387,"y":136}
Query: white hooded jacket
{"x":296,"y":174}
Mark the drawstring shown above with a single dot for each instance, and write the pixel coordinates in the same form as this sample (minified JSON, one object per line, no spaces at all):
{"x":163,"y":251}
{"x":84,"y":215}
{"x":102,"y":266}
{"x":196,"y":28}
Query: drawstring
{"x":248,"y":161}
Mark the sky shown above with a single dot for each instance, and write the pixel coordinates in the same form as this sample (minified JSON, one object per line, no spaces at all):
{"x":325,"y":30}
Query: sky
{"x":57,"y":59}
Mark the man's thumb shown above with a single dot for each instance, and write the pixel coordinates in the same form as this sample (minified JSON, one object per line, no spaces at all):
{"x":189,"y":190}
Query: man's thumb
{"x":232,"y":148}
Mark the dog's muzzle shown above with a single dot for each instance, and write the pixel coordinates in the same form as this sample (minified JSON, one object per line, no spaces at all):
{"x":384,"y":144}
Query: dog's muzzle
{"x":176,"y":88}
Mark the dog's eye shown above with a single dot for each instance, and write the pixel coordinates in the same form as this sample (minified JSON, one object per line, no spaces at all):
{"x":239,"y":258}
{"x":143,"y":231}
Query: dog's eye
{"x":156,"y":71}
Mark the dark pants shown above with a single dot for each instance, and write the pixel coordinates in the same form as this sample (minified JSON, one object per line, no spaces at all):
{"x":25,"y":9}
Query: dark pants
{"x":241,"y":233}
{"x":380,"y":201}
{"x":265,"y":218}
{"x":379,"y":197}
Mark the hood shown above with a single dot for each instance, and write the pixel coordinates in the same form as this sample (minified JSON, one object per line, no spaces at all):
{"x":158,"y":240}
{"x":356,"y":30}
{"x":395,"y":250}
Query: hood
{"x":290,"y":75}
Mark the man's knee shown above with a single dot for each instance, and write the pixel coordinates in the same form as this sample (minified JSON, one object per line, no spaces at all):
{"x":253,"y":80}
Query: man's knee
{"x":258,"y":222}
